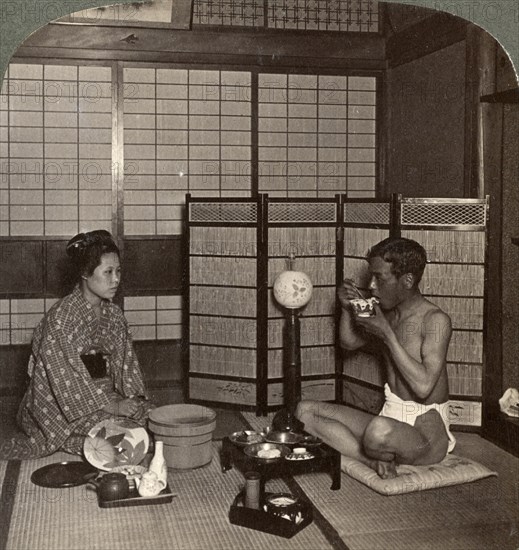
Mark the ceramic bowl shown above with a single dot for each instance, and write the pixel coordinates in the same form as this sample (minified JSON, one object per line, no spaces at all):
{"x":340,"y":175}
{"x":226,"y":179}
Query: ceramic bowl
{"x":285,"y":438}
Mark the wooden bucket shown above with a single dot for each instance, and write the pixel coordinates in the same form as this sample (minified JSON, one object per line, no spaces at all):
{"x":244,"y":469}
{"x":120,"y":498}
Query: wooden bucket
{"x":186,"y":431}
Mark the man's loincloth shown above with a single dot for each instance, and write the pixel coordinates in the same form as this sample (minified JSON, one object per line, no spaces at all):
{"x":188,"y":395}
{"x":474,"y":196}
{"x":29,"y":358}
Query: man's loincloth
{"x":409,"y":411}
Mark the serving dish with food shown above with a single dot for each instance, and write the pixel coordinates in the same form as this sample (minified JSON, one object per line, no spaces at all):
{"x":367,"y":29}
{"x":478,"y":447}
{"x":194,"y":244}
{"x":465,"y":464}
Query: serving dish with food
{"x":267,"y":452}
{"x":247,"y":437}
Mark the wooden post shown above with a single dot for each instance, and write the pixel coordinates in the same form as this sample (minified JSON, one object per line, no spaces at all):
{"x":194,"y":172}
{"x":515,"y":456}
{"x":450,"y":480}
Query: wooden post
{"x":285,"y":419}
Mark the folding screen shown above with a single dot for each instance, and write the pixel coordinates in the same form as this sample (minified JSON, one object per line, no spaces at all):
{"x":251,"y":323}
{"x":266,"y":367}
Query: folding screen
{"x":238,"y":247}
{"x":223,"y":295}
{"x":306,"y":230}
{"x":365,"y":222}
{"x":453,"y":232}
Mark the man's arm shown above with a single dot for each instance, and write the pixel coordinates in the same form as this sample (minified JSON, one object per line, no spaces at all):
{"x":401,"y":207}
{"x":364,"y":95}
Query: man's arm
{"x":349,"y":337}
{"x":423,"y":375}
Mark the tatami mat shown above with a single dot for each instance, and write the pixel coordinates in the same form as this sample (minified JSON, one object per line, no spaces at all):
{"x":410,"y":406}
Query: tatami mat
{"x":473,"y":516}
{"x":196,"y":519}
{"x":478,"y":515}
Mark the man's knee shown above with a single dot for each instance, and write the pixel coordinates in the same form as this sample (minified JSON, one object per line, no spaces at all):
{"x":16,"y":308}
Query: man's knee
{"x":378,"y":434}
{"x":307,"y":410}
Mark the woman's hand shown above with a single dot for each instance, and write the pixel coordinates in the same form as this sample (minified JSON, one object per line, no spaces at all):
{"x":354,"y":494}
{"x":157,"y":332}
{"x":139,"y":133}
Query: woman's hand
{"x":123,"y":407}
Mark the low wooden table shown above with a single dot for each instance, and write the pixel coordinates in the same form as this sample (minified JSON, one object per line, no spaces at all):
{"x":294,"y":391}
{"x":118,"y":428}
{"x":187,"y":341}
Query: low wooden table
{"x":326,"y":459}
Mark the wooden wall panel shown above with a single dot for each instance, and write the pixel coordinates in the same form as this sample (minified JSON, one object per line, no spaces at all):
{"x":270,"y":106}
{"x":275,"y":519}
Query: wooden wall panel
{"x":152,"y":265}
{"x":426,"y":99}
{"x":14,"y":360}
{"x":59,"y":278}
{"x":21,"y":267}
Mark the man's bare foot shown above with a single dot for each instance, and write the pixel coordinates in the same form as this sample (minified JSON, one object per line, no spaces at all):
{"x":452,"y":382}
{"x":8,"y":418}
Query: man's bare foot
{"x":386,"y":470}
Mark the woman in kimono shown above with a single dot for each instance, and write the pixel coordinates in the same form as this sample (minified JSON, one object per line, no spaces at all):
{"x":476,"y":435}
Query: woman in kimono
{"x":82,"y":368}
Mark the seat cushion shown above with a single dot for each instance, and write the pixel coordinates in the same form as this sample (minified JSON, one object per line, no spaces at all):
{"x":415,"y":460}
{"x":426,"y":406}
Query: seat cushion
{"x":452,"y":470}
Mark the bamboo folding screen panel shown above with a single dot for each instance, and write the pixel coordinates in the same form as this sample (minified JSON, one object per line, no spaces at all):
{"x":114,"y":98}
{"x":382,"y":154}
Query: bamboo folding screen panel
{"x":453,"y":232}
{"x":236,"y":248}
{"x":366,"y":222}
{"x":223,"y":275}
{"x":306,"y":230}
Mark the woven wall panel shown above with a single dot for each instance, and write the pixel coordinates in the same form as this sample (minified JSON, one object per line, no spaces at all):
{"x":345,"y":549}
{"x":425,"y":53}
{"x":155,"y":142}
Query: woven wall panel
{"x":222,"y":331}
{"x":240,"y":302}
{"x":357,"y":269}
{"x":315,"y":331}
{"x":317,"y":390}
{"x":453,"y":280}
{"x":464,"y":379}
{"x":466,"y":313}
{"x":213,"y":271}
{"x":466,"y":347}
{"x":358,"y":240}
{"x":223,"y":241}
{"x":301,"y":241}
{"x":222,"y":361}
{"x":314,"y":361}
{"x":223,"y":391}
{"x":363,"y":366}
{"x":451,"y":246}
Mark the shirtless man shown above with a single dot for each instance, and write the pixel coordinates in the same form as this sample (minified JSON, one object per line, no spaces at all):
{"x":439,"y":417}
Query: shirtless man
{"x":413,"y":336}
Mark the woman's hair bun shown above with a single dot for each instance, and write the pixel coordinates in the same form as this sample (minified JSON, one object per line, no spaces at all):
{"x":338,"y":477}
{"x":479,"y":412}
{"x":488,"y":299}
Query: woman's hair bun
{"x":78,"y":244}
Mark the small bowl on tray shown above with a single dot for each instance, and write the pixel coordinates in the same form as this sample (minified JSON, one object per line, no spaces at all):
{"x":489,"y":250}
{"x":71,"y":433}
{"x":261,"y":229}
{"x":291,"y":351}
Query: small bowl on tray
{"x":283,"y":438}
{"x":308,"y":440}
{"x":247,"y":437}
{"x":267,"y":452}
{"x":299,"y":453}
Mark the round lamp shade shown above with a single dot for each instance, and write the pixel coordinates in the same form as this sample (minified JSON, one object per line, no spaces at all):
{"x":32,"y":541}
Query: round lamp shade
{"x":293,"y":289}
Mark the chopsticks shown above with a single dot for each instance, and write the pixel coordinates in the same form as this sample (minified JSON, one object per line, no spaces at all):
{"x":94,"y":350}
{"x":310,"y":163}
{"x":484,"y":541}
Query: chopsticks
{"x":357,"y":290}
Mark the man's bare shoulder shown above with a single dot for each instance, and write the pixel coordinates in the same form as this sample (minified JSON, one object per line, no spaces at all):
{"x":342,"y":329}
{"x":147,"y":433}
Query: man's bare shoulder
{"x":434,"y":315}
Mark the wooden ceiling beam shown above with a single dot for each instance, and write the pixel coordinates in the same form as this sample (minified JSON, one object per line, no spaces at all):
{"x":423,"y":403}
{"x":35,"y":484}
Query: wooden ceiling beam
{"x":265,"y":48}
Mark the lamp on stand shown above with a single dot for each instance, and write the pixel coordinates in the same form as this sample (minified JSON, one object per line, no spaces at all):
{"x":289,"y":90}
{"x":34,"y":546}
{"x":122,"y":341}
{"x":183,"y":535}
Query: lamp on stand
{"x":292,"y":290}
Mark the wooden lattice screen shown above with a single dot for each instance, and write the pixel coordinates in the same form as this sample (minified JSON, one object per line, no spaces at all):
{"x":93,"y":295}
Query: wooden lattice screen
{"x":238,"y":246}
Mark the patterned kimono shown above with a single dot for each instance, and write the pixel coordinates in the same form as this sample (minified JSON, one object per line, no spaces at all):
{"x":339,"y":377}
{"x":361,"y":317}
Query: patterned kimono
{"x":63,"y":402}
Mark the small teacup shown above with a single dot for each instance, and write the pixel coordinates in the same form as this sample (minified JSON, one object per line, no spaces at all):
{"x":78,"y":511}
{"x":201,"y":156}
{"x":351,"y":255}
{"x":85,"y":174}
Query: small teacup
{"x":364,"y":307}
{"x":149,"y":485}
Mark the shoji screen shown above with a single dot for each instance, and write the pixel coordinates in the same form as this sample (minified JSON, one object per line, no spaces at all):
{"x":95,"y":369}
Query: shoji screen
{"x":55,"y":180}
{"x":184,"y":131}
{"x":365,"y":222}
{"x":56,"y":150}
{"x":223,"y":295}
{"x":316,"y":135}
{"x":453,"y":232}
{"x":307,"y":230}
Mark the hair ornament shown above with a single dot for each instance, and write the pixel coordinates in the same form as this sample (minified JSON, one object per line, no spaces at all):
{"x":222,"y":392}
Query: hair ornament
{"x":83,"y":240}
